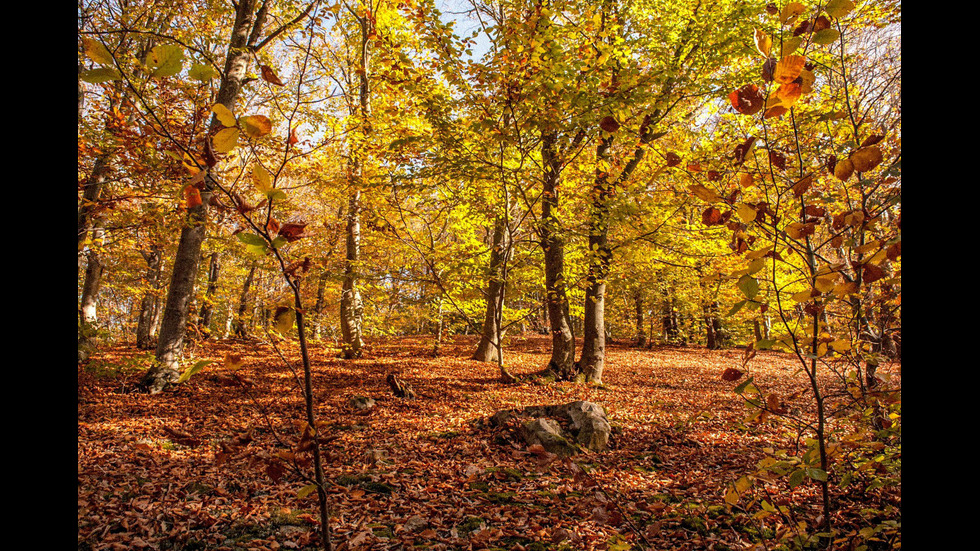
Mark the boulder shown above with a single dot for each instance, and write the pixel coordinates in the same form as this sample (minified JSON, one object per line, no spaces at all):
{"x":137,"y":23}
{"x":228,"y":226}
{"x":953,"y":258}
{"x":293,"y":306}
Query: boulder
{"x":560,"y":429}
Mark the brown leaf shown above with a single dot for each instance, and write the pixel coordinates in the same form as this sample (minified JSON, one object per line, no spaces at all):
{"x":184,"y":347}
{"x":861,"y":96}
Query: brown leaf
{"x":673,"y":159}
{"x":293,"y":232}
{"x":269,"y":75}
{"x":711,"y":216}
{"x":777,"y":159}
{"x":747,"y":100}
{"x":609,"y":124}
{"x":742,"y":150}
{"x":731,"y":375}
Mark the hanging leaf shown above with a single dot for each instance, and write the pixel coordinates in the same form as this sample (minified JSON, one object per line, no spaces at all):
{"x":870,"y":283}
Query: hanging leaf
{"x":866,"y":158}
{"x":225,"y":140}
{"x":746,"y":212}
{"x":711,"y":216}
{"x":749,"y":286}
{"x":269,"y":75}
{"x":790,"y":12}
{"x":703,"y":193}
{"x":292,"y":137}
{"x":261,"y":178}
{"x":731,"y":375}
{"x":673,"y":159}
{"x":98,"y":76}
{"x":306,"y":490}
{"x":293,"y":232}
{"x":97,"y":52}
{"x":224,"y":115}
{"x":194,"y":369}
{"x":609,"y":124}
{"x":256,"y":126}
{"x":192,"y":196}
{"x":763,"y":42}
{"x":747,"y":100}
{"x":826,"y":36}
{"x":284,"y":318}
{"x":788,"y":69}
{"x":742,"y":150}
{"x":799,"y":188}
{"x":165,"y":60}
{"x":202,"y":72}
{"x":839,"y":8}
{"x":844,"y":169}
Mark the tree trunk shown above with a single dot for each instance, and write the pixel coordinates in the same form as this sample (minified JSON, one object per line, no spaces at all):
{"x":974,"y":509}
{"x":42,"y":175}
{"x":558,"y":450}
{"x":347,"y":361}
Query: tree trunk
{"x":350,"y":298}
{"x":351,"y":309}
{"x":87,"y":312}
{"x":204,"y":318}
{"x":594,"y":335}
{"x":170,"y":343}
{"x":641,"y":337}
{"x":144,"y":327}
{"x":486,"y":349}
{"x":241,"y":329}
{"x":562,"y":363}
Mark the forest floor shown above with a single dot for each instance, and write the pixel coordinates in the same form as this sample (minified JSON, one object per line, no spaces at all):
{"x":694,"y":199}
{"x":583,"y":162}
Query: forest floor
{"x":207,"y":466}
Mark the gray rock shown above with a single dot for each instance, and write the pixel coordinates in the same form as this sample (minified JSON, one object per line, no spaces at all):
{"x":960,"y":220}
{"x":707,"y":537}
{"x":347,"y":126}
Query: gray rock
{"x":586,"y":423}
{"x":361,"y":402}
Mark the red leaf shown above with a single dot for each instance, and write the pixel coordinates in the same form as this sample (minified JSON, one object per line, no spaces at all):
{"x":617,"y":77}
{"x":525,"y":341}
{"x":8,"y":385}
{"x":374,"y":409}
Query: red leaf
{"x":731,"y":374}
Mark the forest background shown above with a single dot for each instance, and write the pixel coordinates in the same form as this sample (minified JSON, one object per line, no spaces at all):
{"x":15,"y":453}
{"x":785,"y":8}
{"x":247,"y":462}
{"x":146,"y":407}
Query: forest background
{"x":330,"y":176}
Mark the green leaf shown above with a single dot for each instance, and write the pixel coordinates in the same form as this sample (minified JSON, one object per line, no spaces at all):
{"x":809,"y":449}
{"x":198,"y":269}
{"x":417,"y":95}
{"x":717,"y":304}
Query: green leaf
{"x":749,"y":286}
{"x":796,"y":478}
{"x":741,"y":388}
{"x":251,"y":239}
{"x":817,"y":474}
{"x":738,"y":306}
{"x":165,"y":60}
{"x":202,"y":72}
{"x":97,"y":76}
{"x":306,"y":490}
{"x":826,"y":36}
{"x":839,"y":8}
{"x":97,"y":52}
{"x":193,"y":370}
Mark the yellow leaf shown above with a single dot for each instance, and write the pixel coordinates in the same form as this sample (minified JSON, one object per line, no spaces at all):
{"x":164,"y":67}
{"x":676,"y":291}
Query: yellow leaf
{"x":825,"y":283}
{"x":261,"y":178}
{"x":97,"y":52}
{"x":844,"y":169}
{"x":794,"y":230}
{"x":224,"y":115}
{"x":757,"y":265}
{"x":763,"y":43}
{"x":703,"y":193}
{"x":866,"y":158}
{"x":845,"y":288}
{"x":803,"y":296}
{"x":790,"y":12}
{"x":788,"y":68}
{"x":746,"y":212}
{"x":256,"y":125}
{"x":225,"y":140}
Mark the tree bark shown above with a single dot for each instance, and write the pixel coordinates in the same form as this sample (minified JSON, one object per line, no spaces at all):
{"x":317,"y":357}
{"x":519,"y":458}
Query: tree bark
{"x":641,"y":337}
{"x":593,"y":357}
{"x":562,"y":362}
{"x":351,"y":308}
{"x":87,"y":312}
{"x":144,"y":327}
{"x":486,"y":349}
{"x":207,"y":309}
{"x":241,"y":329}
{"x":170,"y":343}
